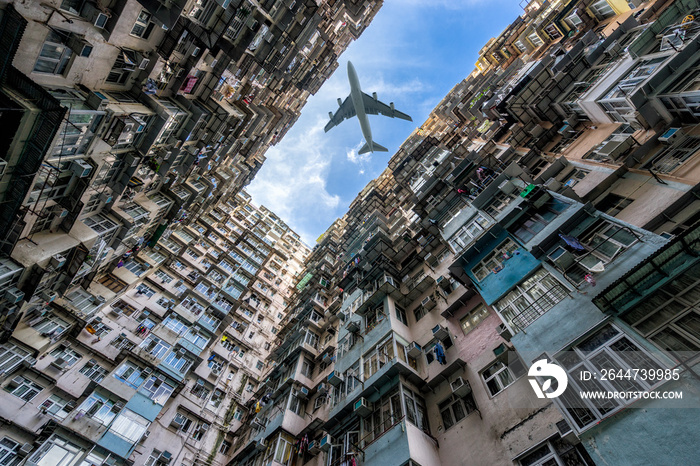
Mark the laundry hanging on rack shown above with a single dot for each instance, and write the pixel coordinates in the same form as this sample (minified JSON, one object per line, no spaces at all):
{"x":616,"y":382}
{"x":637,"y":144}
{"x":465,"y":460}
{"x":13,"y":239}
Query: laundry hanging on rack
{"x":440,"y":354}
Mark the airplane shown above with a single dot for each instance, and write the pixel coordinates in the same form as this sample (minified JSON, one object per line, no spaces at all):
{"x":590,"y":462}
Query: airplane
{"x":360,"y":104}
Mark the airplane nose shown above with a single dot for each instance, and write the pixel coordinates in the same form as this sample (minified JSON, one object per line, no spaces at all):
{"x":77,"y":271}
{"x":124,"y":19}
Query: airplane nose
{"x":351,"y":69}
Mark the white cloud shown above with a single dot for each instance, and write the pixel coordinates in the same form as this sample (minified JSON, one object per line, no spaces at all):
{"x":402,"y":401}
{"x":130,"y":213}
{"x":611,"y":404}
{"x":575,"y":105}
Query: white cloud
{"x":355,"y":157}
{"x":294,"y":182}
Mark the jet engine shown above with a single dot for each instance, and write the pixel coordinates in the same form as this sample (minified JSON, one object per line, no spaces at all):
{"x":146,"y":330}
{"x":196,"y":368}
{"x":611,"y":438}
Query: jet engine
{"x":374,"y":95}
{"x":330,"y":115}
{"x":340,"y":102}
{"x":391,"y":105}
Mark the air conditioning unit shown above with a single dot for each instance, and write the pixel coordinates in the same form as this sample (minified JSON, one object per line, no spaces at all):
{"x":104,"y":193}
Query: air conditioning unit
{"x":324,"y":443}
{"x":440,"y":332}
{"x":57,"y":261}
{"x":25,"y":450}
{"x":425,"y":301}
{"x":362,"y":407}
{"x":565,"y":432}
{"x":30,"y":361}
{"x":14,"y":295}
{"x":506,"y":187}
{"x":147,"y":371}
{"x":322,"y":389}
{"x":216,"y":372}
{"x":303,"y":392}
{"x":80,"y":168}
{"x":196,"y":51}
{"x":342,"y":316}
{"x":260,"y":445}
{"x":117,"y":407}
{"x":353,"y":326}
{"x":181,"y":352}
{"x":562,"y":258}
{"x":48,"y":296}
{"x":165,"y":458}
{"x":334,"y":378}
{"x":504,"y":332}
{"x":213,"y":63}
{"x":414,"y":350}
{"x":460,"y":387}
{"x":116,"y":311}
{"x":144,"y":63}
{"x":313,"y":447}
{"x":671,"y":135}
{"x":106,"y":198}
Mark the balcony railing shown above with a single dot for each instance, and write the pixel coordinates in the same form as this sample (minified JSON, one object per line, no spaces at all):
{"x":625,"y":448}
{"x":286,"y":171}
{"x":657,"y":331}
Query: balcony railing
{"x":538,"y":307}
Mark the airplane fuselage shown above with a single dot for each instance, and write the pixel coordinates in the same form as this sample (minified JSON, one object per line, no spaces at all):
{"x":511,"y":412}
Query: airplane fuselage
{"x":356,"y":96}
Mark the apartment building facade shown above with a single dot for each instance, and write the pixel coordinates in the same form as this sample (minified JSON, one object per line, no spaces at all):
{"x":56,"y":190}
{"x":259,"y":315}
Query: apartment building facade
{"x":139,"y":285}
{"x":544,"y":210}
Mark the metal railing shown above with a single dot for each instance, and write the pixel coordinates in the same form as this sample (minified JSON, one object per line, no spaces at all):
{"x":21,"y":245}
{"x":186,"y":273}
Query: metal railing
{"x":539,"y":307}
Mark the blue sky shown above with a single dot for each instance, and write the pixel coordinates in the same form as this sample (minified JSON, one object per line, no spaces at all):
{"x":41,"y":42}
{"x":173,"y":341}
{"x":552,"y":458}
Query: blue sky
{"x":412,"y":54}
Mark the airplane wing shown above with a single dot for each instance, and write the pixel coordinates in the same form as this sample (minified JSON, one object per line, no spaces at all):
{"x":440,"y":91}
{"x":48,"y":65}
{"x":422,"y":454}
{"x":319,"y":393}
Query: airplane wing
{"x":374,"y":107}
{"x":346,"y":110}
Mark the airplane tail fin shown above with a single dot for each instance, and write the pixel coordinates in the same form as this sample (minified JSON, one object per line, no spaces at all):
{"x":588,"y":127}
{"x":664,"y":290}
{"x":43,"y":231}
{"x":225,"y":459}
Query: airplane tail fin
{"x":375,"y":148}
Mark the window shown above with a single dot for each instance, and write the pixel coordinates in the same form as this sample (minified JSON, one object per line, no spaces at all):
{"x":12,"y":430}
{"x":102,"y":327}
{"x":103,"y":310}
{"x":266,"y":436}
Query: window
{"x":296,"y":404}
{"x":112,"y":283}
{"x":55,"y":55}
{"x":181,"y":422}
{"x":225,"y":447}
{"x":400,"y":314}
{"x":606,"y":348}
{"x":498,"y":375}
{"x":669,"y":317}
{"x":419,"y":313}
{"x":557,"y":451}
{"x":535,"y":39}
{"x":143,"y":25}
{"x":125,"y":64}
{"x":130,"y":374}
{"x":24,"y":388}
{"x":56,"y":451}
{"x":145,"y":290}
{"x":155,"y":346}
{"x":56,"y":406}
{"x":50,"y":326}
{"x":10,"y":357}
{"x":672,"y":157}
{"x":129,"y":426}
{"x":94,"y":371}
{"x":475,"y":316}
{"x":602,"y":10}
{"x":416,"y":412}
{"x":530,"y":299}
{"x":127,"y":309}
{"x":157,"y":390}
{"x":178,"y":360}
{"x":307,"y":367}
{"x":612,"y":204}
{"x":122,"y":342}
{"x":163,"y":277}
{"x":469,"y":232}
{"x":8,"y":452}
{"x":494,"y":261}
{"x":454,"y":409}
{"x":527,"y":226}
{"x":283,"y":449}
{"x":99,"y":408}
